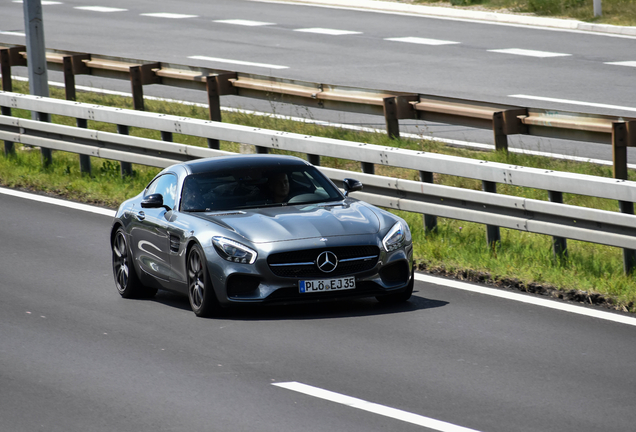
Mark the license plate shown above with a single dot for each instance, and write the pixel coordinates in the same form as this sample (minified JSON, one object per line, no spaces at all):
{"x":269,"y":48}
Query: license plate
{"x":323,"y":285}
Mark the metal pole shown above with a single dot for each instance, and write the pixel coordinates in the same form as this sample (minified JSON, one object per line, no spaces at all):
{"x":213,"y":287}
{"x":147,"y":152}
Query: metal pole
{"x":36,"y":60}
{"x":597,"y":8}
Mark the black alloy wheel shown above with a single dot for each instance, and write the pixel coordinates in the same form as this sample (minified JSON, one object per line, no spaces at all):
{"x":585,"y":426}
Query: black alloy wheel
{"x":126,"y":279}
{"x":203,"y":301}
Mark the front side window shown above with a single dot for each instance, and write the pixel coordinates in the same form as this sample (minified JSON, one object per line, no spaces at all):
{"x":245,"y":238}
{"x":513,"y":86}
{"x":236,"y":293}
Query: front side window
{"x":257,"y":187}
{"x":166,"y":185}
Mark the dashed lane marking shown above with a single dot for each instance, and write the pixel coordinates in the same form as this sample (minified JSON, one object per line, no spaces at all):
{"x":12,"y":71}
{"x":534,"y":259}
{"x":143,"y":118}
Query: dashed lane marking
{"x":375,"y":408}
{"x":572,"y":102}
{"x":100,"y":9}
{"x":421,"y":41}
{"x":238,"y":62}
{"x":529,"y":53}
{"x":622,"y":63}
{"x":242,"y":22}
{"x":168,"y":15}
{"x":326,"y":31}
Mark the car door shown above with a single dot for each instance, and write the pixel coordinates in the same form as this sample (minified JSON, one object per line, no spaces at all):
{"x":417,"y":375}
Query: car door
{"x":150,"y":230}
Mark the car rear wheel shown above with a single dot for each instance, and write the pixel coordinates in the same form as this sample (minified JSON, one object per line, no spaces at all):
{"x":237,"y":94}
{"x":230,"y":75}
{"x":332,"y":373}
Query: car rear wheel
{"x":203,"y":301}
{"x":399,"y":297}
{"x":126,"y":279}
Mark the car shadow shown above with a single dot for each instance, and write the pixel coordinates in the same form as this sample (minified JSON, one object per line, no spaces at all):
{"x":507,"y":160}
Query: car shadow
{"x":344,"y":308}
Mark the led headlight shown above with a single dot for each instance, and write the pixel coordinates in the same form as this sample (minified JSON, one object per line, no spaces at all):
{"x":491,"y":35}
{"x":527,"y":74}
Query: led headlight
{"x":234,"y":251}
{"x":395,"y":238}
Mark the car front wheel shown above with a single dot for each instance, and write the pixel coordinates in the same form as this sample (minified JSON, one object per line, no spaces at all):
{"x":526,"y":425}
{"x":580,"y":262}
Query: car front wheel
{"x":203,"y":301}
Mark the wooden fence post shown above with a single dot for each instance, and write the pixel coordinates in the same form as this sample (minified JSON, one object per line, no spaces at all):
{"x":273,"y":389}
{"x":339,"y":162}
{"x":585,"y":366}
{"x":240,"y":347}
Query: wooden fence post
{"x":73,"y":65}
{"x":493,"y":234}
{"x":623,"y":136}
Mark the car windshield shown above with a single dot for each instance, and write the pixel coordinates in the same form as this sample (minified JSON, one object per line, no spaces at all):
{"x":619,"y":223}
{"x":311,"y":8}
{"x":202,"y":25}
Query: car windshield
{"x":256,"y":187}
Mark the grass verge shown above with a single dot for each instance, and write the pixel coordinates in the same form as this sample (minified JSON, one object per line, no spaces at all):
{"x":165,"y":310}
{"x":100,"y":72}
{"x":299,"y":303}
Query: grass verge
{"x":592,"y":273}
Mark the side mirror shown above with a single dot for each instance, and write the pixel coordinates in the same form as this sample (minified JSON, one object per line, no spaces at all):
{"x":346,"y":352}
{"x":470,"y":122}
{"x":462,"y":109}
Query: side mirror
{"x":351,"y":185}
{"x":154,"y":201}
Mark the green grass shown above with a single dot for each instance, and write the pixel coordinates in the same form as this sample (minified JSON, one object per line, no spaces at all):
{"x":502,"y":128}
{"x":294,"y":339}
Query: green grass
{"x":615,"y":12}
{"x":457,"y":247}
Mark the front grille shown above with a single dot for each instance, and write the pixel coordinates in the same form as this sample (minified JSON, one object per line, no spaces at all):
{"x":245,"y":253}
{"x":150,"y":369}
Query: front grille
{"x":302,"y":264}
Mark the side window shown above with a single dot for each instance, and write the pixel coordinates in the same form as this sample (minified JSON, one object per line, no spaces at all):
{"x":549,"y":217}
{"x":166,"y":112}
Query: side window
{"x":166,"y":185}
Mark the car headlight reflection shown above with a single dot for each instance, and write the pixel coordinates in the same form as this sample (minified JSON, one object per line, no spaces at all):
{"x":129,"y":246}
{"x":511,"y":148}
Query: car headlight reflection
{"x":234,"y":251}
{"x":395,"y":238}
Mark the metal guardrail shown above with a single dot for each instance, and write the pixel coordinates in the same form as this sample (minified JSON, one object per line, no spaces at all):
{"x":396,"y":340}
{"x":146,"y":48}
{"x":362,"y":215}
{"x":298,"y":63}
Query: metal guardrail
{"x":542,"y":217}
{"x":503,"y":120}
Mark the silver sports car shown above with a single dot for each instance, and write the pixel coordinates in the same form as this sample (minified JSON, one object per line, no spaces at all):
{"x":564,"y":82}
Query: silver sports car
{"x":257,"y":229}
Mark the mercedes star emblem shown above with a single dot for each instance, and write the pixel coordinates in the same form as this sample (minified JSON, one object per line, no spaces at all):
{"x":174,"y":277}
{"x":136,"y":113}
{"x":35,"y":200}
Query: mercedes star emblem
{"x":327,"y":262}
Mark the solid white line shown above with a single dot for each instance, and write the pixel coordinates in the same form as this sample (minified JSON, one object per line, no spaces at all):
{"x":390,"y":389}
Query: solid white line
{"x":529,"y":53}
{"x":572,"y":102}
{"x":332,"y":32}
{"x":238,"y":62}
{"x":422,"y":41}
{"x":363,"y":405}
{"x":168,"y":15}
{"x":242,"y":22}
{"x":525,"y":298}
{"x":100,"y":9}
{"x":58,"y":202}
{"x":622,"y":63}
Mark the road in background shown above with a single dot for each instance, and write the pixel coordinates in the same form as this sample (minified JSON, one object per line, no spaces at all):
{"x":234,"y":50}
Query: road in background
{"x":471,"y":60}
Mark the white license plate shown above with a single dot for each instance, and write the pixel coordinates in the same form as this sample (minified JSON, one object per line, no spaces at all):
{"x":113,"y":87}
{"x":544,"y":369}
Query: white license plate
{"x":323,"y":285}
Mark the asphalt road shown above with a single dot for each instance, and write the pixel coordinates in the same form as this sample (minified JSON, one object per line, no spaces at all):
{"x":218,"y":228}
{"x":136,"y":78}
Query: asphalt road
{"x":464,"y":60}
{"x":74,"y":356}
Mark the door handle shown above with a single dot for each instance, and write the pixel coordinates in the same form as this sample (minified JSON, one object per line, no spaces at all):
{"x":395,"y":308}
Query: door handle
{"x":141,"y":215}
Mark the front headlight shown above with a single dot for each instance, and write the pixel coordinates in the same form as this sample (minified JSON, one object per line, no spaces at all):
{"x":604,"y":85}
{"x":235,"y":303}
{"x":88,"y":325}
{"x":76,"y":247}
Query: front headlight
{"x":234,"y":251}
{"x":395,"y":238}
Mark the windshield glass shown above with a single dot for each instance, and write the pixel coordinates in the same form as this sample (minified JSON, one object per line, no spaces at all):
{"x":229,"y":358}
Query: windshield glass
{"x":257,"y":187}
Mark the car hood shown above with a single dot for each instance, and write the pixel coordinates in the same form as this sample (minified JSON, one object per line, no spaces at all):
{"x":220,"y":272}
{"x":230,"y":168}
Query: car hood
{"x":296,"y":222}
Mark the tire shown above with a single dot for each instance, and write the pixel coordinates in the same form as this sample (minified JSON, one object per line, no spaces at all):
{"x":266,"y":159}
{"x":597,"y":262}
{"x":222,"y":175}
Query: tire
{"x":126,"y":280}
{"x":203,"y":301}
{"x":399,"y":297}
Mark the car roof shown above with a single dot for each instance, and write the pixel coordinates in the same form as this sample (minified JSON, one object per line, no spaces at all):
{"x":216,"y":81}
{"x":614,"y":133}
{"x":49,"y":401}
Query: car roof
{"x":242,"y":162}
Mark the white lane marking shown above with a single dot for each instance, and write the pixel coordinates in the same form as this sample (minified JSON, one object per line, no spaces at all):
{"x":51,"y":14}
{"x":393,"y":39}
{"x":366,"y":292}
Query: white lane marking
{"x":529,"y":53}
{"x":44,"y":2}
{"x":526,"y":298}
{"x":238,"y":62}
{"x":622,"y":63}
{"x":242,"y":22}
{"x":168,"y":15}
{"x":58,"y":202}
{"x":332,"y":32}
{"x":363,"y":405}
{"x":572,"y":102}
{"x":100,"y":9}
{"x":422,"y":41}
{"x":10,"y":33}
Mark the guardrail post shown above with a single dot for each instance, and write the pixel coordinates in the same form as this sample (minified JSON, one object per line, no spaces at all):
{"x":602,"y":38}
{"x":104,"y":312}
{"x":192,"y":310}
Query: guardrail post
{"x":367,"y":167}
{"x":140,"y":76}
{"x":7,"y":85}
{"x":624,"y":135}
{"x":430,"y":221}
{"x":9,"y":57}
{"x":506,"y":123}
{"x":73,"y":65}
{"x":559,"y":244}
{"x":126,"y":167}
{"x":396,"y":108}
{"x":313,"y":159}
{"x":217,"y":86}
{"x":492,"y":232}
